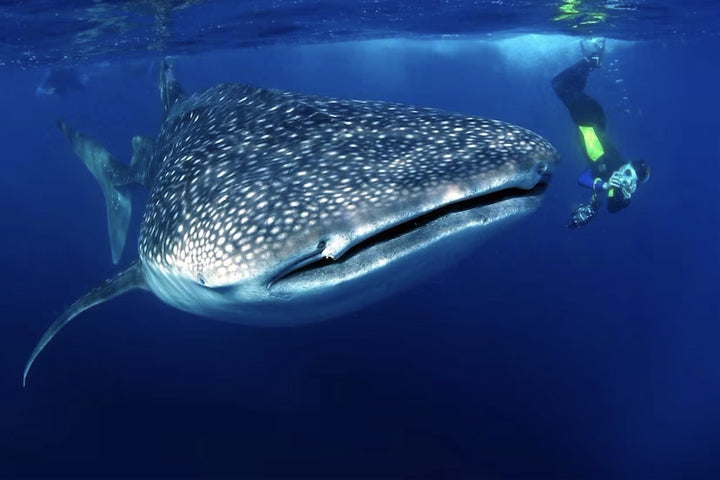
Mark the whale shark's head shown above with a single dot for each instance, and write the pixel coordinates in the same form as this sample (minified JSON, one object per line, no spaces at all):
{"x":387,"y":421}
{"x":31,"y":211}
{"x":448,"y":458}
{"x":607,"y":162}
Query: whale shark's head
{"x":266,"y":219}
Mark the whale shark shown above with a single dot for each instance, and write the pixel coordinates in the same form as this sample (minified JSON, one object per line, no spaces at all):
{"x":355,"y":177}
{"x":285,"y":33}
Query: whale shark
{"x":275,"y":208}
{"x":60,"y":81}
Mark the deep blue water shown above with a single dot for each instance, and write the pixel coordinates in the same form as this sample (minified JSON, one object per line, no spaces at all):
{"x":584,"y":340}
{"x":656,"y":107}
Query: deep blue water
{"x":547,"y":353}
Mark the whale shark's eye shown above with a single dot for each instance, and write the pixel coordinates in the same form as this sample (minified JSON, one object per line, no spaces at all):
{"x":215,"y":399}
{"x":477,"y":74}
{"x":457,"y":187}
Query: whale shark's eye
{"x":201,"y":279}
{"x":541,"y":168}
{"x":321,"y":245}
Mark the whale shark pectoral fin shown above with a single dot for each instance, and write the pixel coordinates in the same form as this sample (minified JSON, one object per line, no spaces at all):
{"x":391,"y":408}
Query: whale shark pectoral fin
{"x":129,"y":279}
{"x":119,"y":209}
{"x":170,"y":89}
{"x":143,"y":148}
{"x":110,"y":174}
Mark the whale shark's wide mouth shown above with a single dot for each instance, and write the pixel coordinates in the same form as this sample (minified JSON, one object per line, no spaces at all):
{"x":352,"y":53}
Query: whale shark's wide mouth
{"x":483,"y":209}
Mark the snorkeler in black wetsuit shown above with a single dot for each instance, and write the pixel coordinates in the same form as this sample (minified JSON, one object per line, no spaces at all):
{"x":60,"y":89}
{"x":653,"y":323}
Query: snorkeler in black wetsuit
{"x":608,"y":171}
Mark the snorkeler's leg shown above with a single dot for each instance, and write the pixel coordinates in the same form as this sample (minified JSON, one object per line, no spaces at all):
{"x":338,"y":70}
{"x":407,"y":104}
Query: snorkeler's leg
{"x":569,"y":86}
{"x":570,"y":83}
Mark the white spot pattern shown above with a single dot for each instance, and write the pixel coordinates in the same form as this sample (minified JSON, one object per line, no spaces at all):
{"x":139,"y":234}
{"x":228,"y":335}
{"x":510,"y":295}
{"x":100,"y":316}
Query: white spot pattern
{"x":245,"y":178}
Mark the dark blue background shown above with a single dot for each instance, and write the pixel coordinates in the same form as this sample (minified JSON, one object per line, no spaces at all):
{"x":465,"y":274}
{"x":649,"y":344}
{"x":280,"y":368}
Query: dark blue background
{"x":547,"y":353}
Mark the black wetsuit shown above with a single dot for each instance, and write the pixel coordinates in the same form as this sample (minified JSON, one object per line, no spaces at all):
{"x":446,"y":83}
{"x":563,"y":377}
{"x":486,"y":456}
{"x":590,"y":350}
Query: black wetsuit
{"x":589,"y":117}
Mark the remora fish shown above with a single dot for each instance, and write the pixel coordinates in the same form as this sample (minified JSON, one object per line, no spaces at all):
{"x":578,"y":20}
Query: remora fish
{"x":268,"y":207}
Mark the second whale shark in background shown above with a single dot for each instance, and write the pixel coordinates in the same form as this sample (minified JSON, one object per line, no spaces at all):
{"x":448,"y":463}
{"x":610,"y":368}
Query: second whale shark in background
{"x":60,"y":81}
{"x":273,"y":208}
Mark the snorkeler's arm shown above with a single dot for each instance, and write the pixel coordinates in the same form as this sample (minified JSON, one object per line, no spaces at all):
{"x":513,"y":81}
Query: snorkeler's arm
{"x":587,"y":180}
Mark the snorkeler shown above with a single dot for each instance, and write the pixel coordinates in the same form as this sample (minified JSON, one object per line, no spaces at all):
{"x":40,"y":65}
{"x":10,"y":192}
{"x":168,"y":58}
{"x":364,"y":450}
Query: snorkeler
{"x":608,"y":172}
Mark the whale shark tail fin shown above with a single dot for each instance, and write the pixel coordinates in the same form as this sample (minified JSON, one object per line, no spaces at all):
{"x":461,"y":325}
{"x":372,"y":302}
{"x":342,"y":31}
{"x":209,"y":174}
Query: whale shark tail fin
{"x":129,"y":279}
{"x":110,"y":174}
{"x":170,"y":89}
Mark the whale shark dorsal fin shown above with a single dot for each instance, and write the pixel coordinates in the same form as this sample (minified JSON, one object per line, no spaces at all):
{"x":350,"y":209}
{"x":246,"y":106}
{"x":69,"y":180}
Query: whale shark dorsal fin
{"x":110,"y":175}
{"x":170,"y":89}
{"x":129,"y":279}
